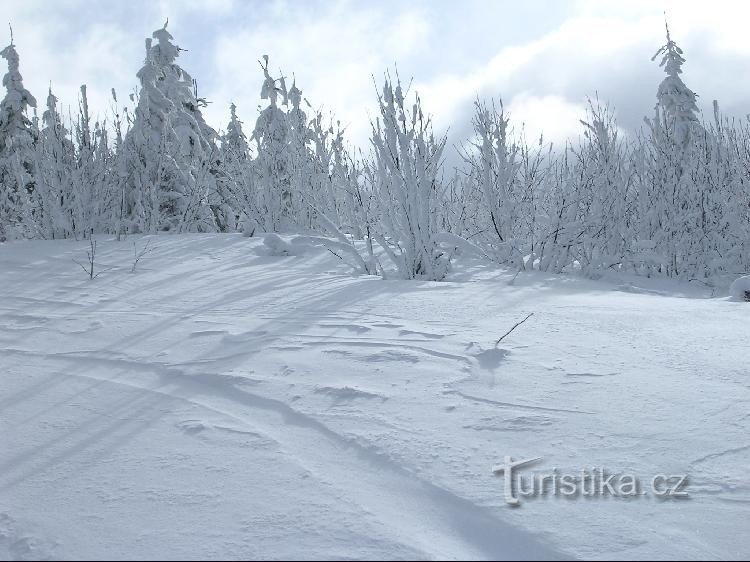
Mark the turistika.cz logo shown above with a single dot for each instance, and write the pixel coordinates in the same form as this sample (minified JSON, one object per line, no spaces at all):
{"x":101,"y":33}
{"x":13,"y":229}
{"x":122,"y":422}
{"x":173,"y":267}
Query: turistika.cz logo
{"x":595,"y":482}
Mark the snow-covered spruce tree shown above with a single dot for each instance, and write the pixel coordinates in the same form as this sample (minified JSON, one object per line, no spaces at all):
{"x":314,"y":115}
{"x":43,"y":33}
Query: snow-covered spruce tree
{"x":194,"y":142}
{"x":271,"y":133}
{"x":676,"y":109}
{"x":105,"y":173}
{"x":117,"y":214}
{"x":172,"y":151}
{"x":691,"y":204}
{"x":235,"y":187}
{"x":18,"y":205}
{"x":56,"y":163}
{"x":89,"y":193}
{"x":668,"y":197}
{"x":149,"y":168}
{"x":406,"y":174}
{"x":307,"y":161}
{"x":234,"y":141}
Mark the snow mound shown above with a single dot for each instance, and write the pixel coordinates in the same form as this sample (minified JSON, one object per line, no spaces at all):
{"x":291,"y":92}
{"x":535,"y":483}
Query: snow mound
{"x":740,"y":289}
{"x":348,"y":393}
{"x":274,"y":245}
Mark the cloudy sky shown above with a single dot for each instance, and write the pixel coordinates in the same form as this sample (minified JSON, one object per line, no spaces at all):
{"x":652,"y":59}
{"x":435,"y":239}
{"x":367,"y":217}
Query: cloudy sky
{"x":543,"y":57}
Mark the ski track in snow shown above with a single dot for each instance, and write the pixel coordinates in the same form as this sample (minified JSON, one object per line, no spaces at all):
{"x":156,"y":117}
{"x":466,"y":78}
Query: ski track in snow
{"x":222,"y":403}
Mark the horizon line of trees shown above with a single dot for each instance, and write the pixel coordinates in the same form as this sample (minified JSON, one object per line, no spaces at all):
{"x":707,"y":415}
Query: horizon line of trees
{"x":672,"y":200}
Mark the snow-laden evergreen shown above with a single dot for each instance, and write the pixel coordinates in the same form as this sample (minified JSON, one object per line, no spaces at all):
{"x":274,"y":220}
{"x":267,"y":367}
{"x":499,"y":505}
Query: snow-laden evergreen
{"x":271,"y":134}
{"x":16,"y":131}
{"x":55,"y":172}
{"x":232,"y":200}
{"x":234,"y":141}
{"x":676,"y":109}
{"x":19,"y":205}
{"x":171,"y":150}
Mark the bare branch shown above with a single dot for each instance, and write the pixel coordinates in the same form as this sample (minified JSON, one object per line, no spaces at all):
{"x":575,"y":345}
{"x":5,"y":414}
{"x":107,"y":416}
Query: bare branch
{"x":506,"y":334}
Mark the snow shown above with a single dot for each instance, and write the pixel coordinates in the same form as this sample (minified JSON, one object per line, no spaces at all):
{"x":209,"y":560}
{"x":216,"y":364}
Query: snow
{"x":222,"y":402}
{"x":740,"y":289}
{"x":274,"y":245}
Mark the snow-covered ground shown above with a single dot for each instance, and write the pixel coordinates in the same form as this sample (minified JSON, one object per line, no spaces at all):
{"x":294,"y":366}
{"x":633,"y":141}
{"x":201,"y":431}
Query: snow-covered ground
{"x":220,"y":402}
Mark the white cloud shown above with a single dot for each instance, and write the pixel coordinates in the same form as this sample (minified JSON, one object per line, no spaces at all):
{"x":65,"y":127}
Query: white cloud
{"x":553,"y":115}
{"x":333,"y":56}
{"x":602,"y":47}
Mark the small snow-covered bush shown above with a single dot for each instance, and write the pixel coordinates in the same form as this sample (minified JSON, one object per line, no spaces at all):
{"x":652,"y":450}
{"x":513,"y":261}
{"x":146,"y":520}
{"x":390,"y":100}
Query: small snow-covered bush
{"x":406,"y":176}
{"x":274,"y":245}
{"x":740,"y":289}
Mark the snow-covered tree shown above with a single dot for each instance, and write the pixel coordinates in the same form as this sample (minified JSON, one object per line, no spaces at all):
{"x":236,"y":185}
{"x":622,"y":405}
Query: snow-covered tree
{"x":598,"y":238}
{"x":234,"y":141}
{"x":151,"y":167}
{"x":271,"y":134}
{"x":117,"y":214}
{"x":669,"y":197}
{"x":406,"y":173}
{"x":676,"y":108}
{"x":16,"y":131}
{"x":88,"y":186}
{"x":232,"y":202}
{"x":17,"y":139}
{"x":306,"y":180}
{"x":56,"y":163}
{"x":352,"y":201}
{"x":494,"y":166}
{"x":172,"y":151}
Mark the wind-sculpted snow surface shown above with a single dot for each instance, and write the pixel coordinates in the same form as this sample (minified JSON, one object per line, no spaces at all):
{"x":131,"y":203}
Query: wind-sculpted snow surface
{"x":223,"y":401}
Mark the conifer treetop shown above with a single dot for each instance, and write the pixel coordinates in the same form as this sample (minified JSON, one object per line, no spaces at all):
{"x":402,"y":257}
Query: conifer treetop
{"x":15,"y":127}
{"x":675,"y":100}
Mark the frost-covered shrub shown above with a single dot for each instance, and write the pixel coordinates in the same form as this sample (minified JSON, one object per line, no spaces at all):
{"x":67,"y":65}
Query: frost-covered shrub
{"x":500,"y":206}
{"x":274,"y":245}
{"x":406,"y":175}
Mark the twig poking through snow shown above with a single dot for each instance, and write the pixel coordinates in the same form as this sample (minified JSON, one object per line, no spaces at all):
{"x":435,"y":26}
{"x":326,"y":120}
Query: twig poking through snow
{"x":513,"y":328}
{"x":138,"y":255}
{"x":91,"y":261}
